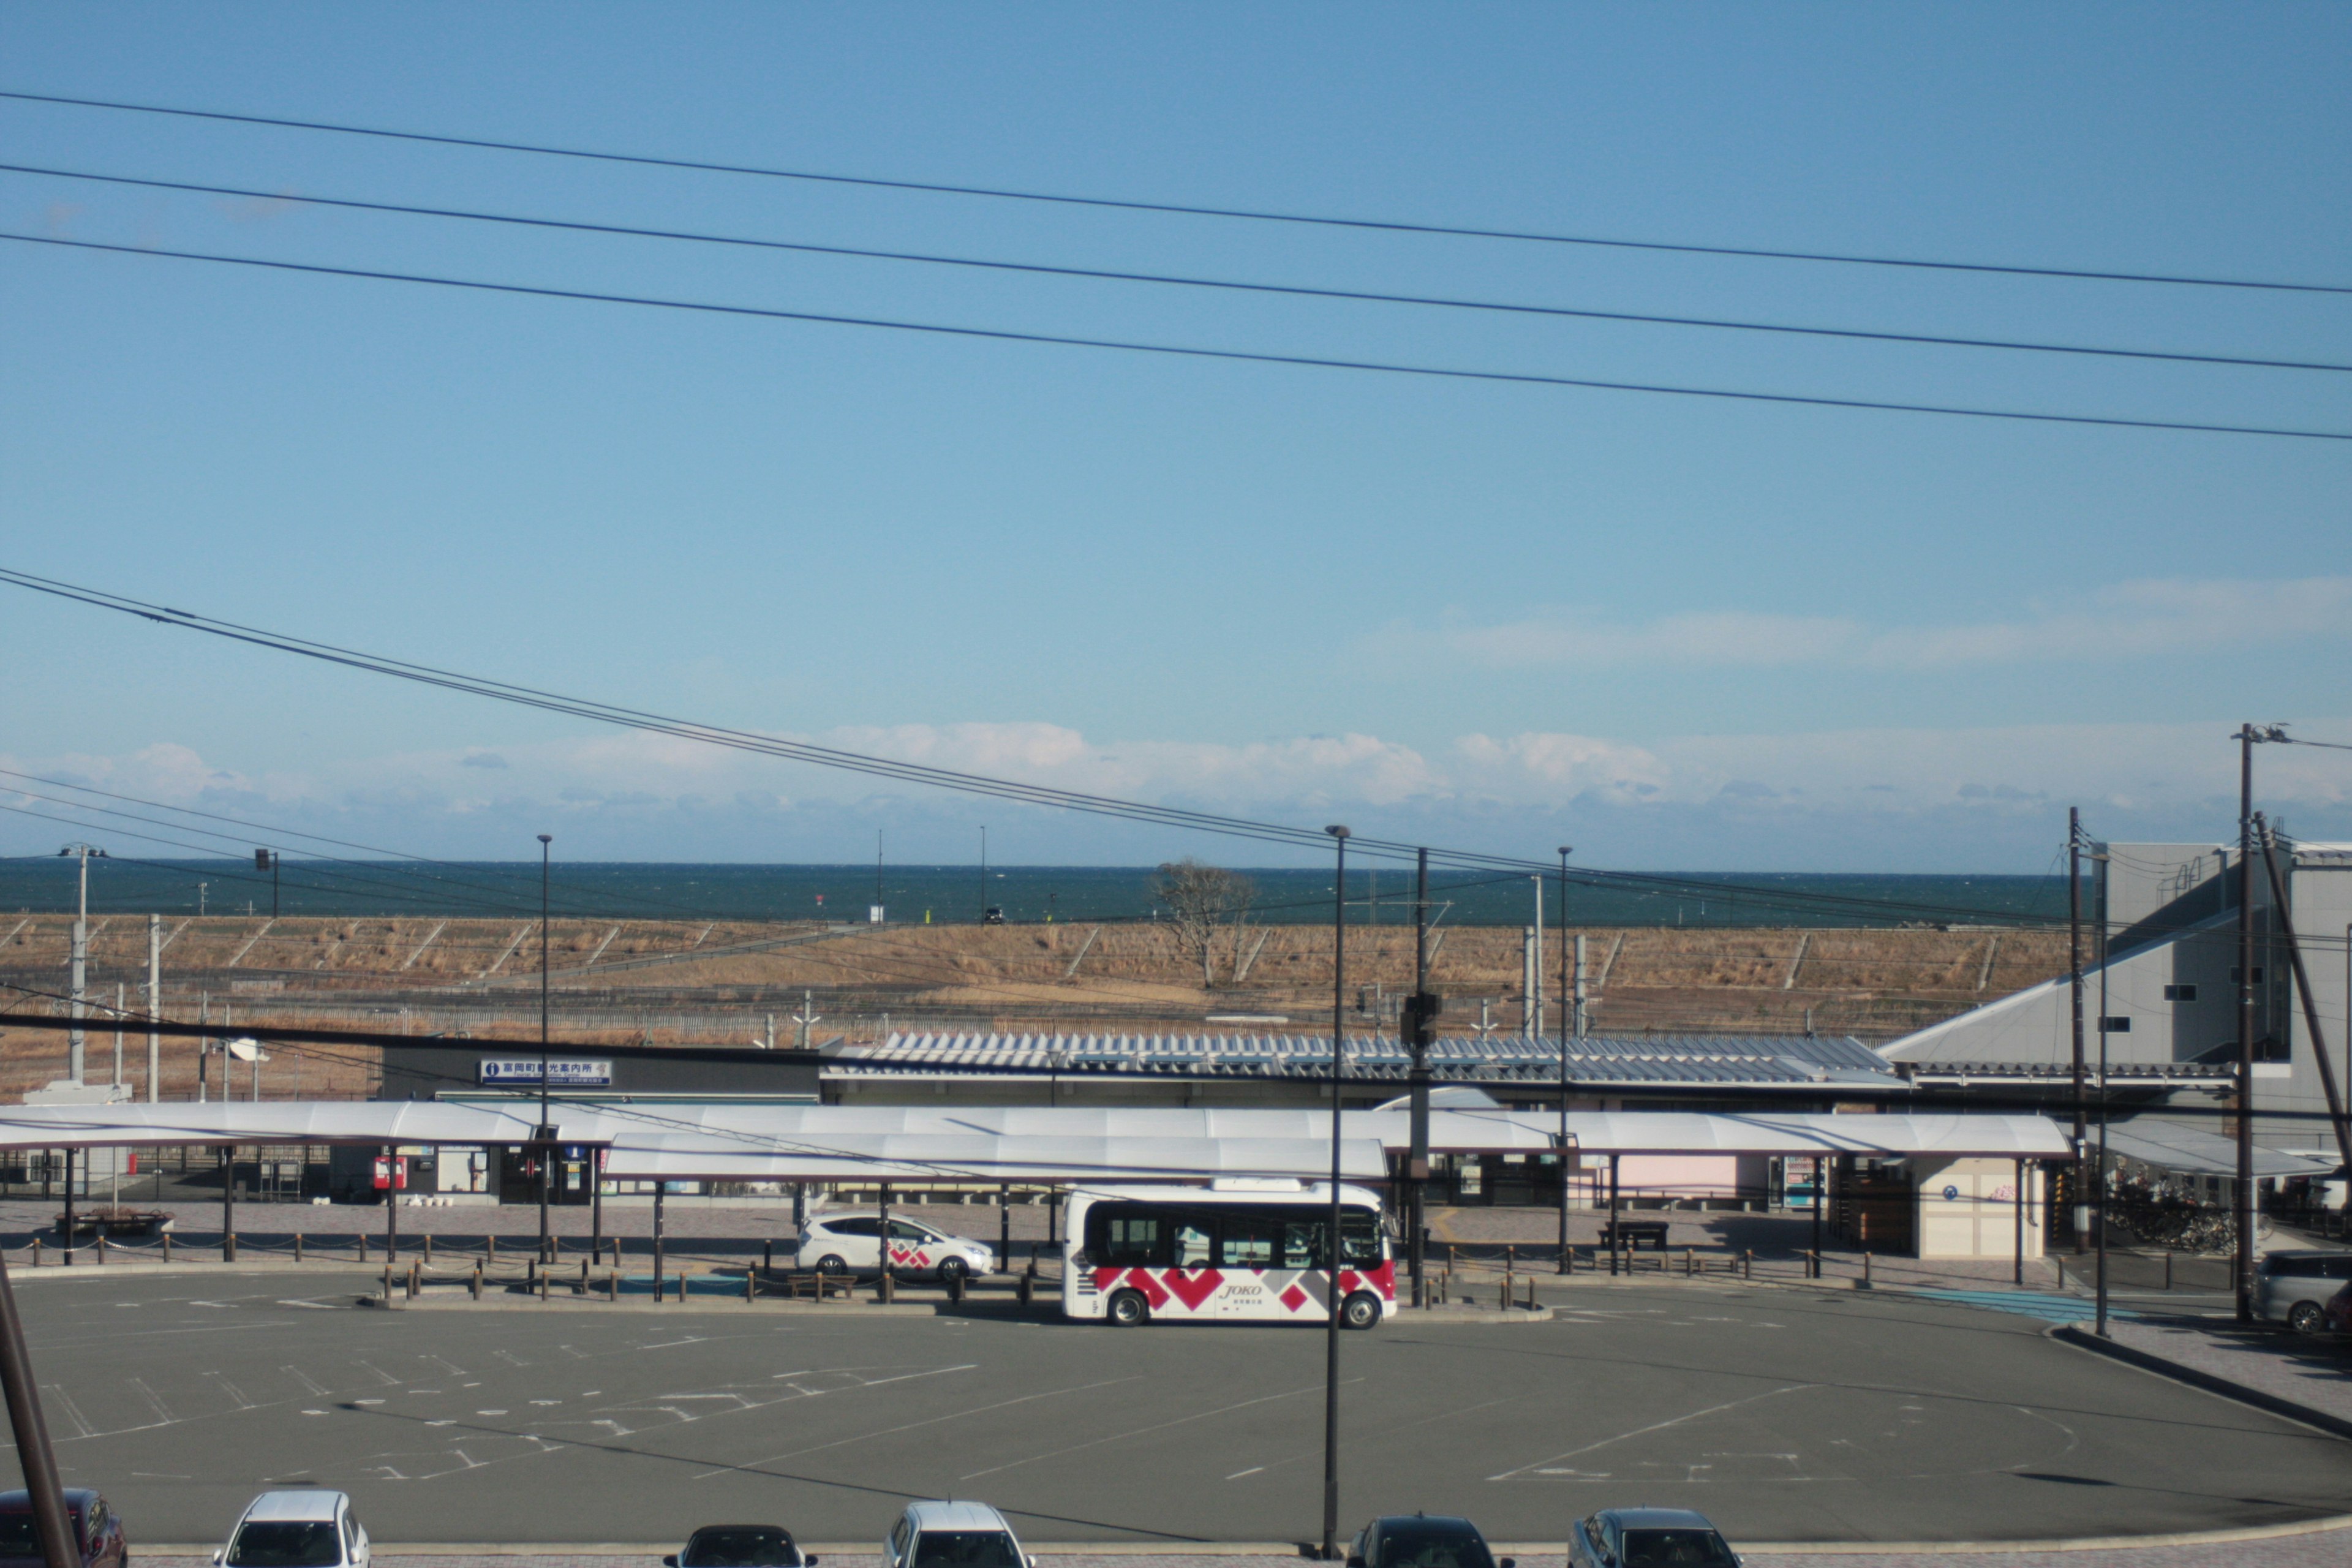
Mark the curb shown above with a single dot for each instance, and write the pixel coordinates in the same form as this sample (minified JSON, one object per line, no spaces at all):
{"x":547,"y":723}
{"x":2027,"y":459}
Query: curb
{"x":2272,"y":1403}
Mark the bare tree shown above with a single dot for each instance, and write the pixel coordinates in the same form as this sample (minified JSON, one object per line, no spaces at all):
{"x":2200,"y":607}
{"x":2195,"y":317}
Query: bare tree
{"x":1200,"y":898}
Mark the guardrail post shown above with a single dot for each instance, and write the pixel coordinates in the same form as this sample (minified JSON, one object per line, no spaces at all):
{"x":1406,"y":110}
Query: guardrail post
{"x":415,"y":1279}
{"x":1748,"y":1263}
{"x":613,"y":1285}
{"x":102,"y":1249}
{"x":427,"y":1253}
{"x":1029,"y":1285}
{"x":1689,"y":1256}
{"x":1865,"y":1270}
{"x":363,"y":1258}
{"x":167,"y":1247}
{"x":477,"y":1281}
{"x":543,"y":1274}
{"x":490,"y":1250}
{"x":2168,"y":1269}
{"x":767,"y":1255}
{"x":297,"y":1246}
{"x":750,"y":1285}
{"x":886,"y":1293}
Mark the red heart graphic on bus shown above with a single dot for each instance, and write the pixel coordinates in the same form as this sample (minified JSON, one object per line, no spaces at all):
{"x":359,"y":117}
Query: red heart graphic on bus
{"x":1194,"y":1288}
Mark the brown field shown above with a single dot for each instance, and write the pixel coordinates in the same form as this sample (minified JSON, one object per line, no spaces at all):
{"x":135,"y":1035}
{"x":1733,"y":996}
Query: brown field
{"x":665,"y":982}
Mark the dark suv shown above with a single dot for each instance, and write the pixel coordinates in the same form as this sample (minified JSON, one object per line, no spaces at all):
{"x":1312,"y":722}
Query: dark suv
{"x":1422,"y":1541}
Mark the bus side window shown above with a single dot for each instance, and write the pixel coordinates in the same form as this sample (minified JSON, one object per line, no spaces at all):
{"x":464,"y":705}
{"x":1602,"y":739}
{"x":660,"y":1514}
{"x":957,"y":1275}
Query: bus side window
{"x":1302,"y":1244}
{"x":1250,"y":1241}
{"x":1359,"y":1240}
{"x":1191,"y":1244}
{"x":1131,"y":1241}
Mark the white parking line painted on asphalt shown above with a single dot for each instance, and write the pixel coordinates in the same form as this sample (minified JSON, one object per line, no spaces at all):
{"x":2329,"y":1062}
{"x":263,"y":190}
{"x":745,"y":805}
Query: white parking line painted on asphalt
{"x":1155,"y":1426}
{"x":911,"y":1425}
{"x":1655,"y":1427}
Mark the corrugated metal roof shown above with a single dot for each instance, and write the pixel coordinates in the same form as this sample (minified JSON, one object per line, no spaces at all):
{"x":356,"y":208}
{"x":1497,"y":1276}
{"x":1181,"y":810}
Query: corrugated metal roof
{"x":1748,"y":1059}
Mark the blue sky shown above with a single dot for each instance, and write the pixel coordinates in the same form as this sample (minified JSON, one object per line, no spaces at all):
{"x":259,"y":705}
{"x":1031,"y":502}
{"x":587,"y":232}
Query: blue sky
{"x":1683,"y":633}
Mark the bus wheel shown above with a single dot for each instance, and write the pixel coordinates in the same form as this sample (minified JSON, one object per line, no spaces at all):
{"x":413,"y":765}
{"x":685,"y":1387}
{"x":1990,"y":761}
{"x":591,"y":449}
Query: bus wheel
{"x":1128,"y":1309}
{"x":1361,"y":1311}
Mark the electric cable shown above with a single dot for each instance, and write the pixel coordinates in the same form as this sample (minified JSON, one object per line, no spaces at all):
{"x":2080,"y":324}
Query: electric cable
{"x":1175,"y":281}
{"x":1181,"y":209}
{"x":1182,"y":351}
{"x":830,"y":757}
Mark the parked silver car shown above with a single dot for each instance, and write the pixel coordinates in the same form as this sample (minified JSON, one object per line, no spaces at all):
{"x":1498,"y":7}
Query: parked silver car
{"x":1648,"y":1538}
{"x":953,"y":1535}
{"x":2293,"y":1288}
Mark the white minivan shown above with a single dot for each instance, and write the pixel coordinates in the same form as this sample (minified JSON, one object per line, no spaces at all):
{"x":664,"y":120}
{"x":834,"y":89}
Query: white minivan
{"x":306,"y":1529}
{"x":953,"y":1535}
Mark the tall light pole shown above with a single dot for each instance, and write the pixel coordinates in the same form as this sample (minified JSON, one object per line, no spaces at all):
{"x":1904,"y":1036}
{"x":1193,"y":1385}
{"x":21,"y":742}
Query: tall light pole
{"x":2074,"y":994}
{"x":1331,"y":1321}
{"x":80,"y":961}
{"x":546,"y":1133}
{"x":1566,"y":1008}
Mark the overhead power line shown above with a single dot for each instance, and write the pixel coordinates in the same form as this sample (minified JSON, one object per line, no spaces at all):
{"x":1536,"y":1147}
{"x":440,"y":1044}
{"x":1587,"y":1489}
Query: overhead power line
{"x":1226,"y":284}
{"x":944,"y":778}
{"x":1180,"y":350}
{"x":1181,"y":209}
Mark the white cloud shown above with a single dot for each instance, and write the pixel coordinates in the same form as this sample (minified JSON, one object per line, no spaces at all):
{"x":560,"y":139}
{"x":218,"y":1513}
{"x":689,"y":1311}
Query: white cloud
{"x":1950,"y":792}
{"x":2137,"y":619}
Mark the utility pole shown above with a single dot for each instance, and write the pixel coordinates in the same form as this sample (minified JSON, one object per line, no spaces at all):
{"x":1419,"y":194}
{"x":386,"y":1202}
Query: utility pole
{"x":1534,"y":966}
{"x":154,"y":1006}
{"x":1421,"y":1029}
{"x":1331,"y":1319}
{"x":2075,"y":994}
{"x":1565,"y":851}
{"x":52,"y":1527}
{"x":2246,"y":1205}
{"x":2099,"y":1177}
{"x":983,"y":916}
{"x":546,"y":1130}
{"x":79,"y":961}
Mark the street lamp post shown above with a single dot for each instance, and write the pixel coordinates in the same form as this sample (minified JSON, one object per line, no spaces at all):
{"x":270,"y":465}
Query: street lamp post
{"x":1566,"y":1007}
{"x":1331,"y":1321}
{"x":546,"y":1138}
{"x":80,"y":959}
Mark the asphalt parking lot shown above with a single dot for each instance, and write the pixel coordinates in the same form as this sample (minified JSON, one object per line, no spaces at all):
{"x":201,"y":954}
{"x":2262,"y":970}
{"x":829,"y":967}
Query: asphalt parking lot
{"x":1786,"y":1414}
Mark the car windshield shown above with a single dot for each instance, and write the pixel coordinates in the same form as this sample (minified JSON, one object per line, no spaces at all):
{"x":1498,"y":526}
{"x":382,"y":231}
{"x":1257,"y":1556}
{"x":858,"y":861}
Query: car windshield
{"x":743,"y":1546}
{"x":286,"y":1544}
{"x":1675,"y":1549}
{"x":965,"y":1548}
{"x":1433,"y":1548}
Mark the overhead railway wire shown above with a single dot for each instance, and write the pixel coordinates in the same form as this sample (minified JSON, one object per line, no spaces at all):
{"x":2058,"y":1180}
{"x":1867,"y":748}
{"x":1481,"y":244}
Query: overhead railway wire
{"x":1181,"y":209}
{"x":1181,"y":351}
{"x":1241,"y":285}
{"x":972,"y":784}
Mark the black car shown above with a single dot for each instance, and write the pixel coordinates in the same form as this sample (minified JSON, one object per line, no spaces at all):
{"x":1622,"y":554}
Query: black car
{"x":1422,"y":1541}
{"x":739,"y":1546}
{"x":1648,"y":1538}
{"x":96,"y":1526}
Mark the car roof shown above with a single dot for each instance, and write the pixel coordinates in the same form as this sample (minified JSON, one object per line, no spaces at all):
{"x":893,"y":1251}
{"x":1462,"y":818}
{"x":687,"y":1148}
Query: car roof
{"x":1658,"y":1519}
{"x":832,"y":1215}
{"x":956,"y":1516}
{"x":309,"y":1504}
{"x":12,"y":1501}
{"x":1446,"y":1521}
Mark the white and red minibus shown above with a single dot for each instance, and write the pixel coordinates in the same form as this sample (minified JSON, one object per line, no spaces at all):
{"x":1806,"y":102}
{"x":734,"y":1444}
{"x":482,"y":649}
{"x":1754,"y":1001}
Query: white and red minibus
{"x":1252,"y":1250}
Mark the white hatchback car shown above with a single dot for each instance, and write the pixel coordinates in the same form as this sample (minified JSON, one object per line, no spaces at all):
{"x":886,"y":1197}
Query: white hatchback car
{"x":953,"y":1535}
{"x":305,"y":1529}
{"x":849,"y":1243}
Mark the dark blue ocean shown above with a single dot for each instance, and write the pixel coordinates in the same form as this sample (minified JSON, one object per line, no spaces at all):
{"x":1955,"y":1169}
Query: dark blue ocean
{"x":957,"y":894}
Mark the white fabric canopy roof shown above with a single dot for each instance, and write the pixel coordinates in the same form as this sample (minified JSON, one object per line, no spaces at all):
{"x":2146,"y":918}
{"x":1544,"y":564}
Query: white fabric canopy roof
{"x":753,"y":1142}
{"x":2193,"y":1151}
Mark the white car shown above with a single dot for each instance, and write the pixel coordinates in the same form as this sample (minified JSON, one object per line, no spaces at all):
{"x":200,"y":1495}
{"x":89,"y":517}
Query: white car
{"x":306,"y":1529}
{"x":851,"y":1243}
{"x":953,"y":1535}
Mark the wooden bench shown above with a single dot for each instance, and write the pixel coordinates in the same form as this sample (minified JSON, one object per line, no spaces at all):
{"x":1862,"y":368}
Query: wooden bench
{"x":811,"y":1286}
{"x":1633,"y":1233}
